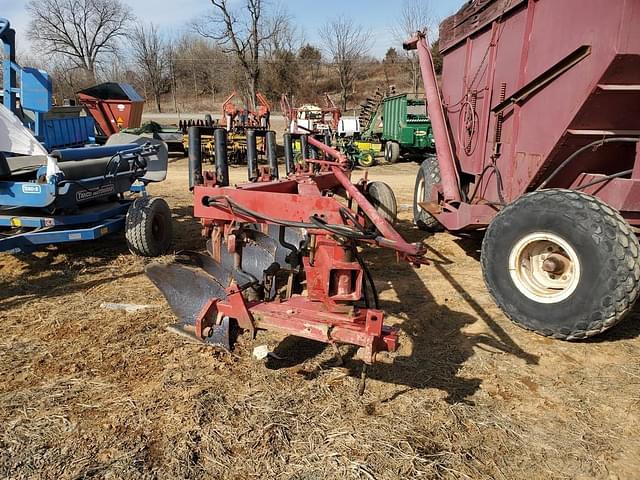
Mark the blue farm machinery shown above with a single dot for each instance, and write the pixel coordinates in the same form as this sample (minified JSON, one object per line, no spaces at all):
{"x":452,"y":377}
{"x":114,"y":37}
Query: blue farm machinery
{"x":51,"y":193}
{"x":27,"y":92}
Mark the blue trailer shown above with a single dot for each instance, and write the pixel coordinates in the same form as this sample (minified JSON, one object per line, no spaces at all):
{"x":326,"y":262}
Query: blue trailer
{"x":80,"y":194}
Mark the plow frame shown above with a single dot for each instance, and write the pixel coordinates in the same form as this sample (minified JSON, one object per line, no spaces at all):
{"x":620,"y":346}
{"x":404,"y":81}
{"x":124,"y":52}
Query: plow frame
{"x":326,"y":311}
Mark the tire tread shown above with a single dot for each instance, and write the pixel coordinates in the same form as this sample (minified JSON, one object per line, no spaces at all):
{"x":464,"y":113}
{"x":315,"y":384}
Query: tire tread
{"x":430,"y":170}
{"x":612,"y":233}
{"x":139,"y":225}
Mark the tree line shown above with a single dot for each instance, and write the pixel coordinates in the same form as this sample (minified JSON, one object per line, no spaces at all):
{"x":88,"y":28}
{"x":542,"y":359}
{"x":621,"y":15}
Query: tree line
{"x":254,"y":47}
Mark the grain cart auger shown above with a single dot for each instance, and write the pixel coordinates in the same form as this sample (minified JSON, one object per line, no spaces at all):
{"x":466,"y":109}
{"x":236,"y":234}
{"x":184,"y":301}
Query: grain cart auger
{"x":283,"y":253}
{"x":536,"y":131}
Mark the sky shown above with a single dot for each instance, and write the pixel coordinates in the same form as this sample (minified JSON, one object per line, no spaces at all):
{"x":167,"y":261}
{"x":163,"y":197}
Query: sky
{"x":174,"y":16}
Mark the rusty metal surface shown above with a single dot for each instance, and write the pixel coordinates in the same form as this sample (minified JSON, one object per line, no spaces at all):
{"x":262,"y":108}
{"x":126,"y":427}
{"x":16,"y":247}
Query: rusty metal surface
{"x":566,"y":73}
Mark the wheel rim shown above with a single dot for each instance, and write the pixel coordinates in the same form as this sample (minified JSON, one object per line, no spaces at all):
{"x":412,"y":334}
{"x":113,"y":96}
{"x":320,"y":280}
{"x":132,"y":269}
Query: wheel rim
{"x":366,"y":159}
{"x":544,"y":267}
{"x":420,"y":197}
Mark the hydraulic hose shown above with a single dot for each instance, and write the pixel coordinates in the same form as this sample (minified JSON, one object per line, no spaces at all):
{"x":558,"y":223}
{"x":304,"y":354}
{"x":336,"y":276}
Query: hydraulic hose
{"x":575,"y":154}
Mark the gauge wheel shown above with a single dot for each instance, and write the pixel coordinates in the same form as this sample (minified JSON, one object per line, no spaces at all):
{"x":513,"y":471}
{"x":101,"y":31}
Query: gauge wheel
{"x":384,"y":200}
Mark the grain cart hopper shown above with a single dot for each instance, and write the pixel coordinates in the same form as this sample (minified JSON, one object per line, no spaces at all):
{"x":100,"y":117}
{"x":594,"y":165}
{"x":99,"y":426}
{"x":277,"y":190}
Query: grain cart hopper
{"x":283,"y":252}
{"x":118,"y":107}
{"x":536,"y":131}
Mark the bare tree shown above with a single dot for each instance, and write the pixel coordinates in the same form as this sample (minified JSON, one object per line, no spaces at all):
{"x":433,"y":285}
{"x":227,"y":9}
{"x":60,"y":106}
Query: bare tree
{"x":281,"y":67}
{"x":148,"y":54}
{"x":243,"y":33}
{"x":171,"y":65}
{"x":389,"y":63}
{"x":310,"y":61}
{"x":416,"y":15}
{"x":80,"y":30}
{"x":285,"y":35}
{"x":346,"y":44}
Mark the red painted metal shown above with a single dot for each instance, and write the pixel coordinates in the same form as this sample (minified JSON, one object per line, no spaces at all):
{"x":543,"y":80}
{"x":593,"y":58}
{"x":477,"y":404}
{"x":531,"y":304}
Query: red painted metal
{"x":444,"y":149}
{"x":571,"y":73}
{"x":259,"y":118}
{"x":412,"y":252}
{"x":334,"y":278}
{"x":113,"y":106}
{"x":303,"y":318}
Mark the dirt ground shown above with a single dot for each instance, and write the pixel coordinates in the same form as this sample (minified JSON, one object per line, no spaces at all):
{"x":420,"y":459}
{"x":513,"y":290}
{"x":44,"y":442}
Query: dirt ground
{"x":92,"y":393}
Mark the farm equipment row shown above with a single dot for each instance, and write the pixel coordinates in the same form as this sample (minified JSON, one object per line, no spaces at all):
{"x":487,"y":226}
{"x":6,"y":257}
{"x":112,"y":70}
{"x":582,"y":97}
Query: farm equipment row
{"x":237,"y":121}
{"x":536,"y":137}
{"x":329,"y":122}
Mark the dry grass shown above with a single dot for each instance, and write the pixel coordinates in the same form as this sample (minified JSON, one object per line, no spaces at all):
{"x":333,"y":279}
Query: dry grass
{"x":87,"y":392}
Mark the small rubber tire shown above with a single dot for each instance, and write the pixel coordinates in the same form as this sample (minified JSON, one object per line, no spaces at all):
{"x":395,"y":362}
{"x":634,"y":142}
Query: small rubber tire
{"x":148,"y":227}
{"x":428,"y":177}
{"x":391,"y":152}
{"x":366,"y":160}
{"x":384,"y":200}
{"x":606,"y":254}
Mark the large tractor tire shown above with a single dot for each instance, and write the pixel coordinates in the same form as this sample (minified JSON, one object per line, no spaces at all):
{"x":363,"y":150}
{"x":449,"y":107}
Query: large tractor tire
{"x":148,"y":227}
{"x":391,"y":152}
{"x":562,"y":263}
{"x":428,"y":177}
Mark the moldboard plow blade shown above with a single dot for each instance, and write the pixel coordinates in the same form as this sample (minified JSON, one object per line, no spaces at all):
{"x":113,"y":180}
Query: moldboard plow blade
{"x":190,"y":291}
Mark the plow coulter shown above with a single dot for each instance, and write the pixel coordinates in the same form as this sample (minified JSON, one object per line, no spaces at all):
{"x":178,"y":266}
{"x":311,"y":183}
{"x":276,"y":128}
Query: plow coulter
{"x":282,"y":254}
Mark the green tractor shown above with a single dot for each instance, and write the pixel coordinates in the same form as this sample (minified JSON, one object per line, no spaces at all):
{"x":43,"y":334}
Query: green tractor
{"x":401,"y":124}
{"x":358,"y":152}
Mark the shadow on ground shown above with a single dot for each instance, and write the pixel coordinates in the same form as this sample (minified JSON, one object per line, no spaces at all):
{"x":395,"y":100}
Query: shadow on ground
{"x":54,"y":271}
{"x":439,"y":345}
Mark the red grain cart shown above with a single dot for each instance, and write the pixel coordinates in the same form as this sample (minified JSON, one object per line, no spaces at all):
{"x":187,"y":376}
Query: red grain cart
{"x":537,"y":129}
